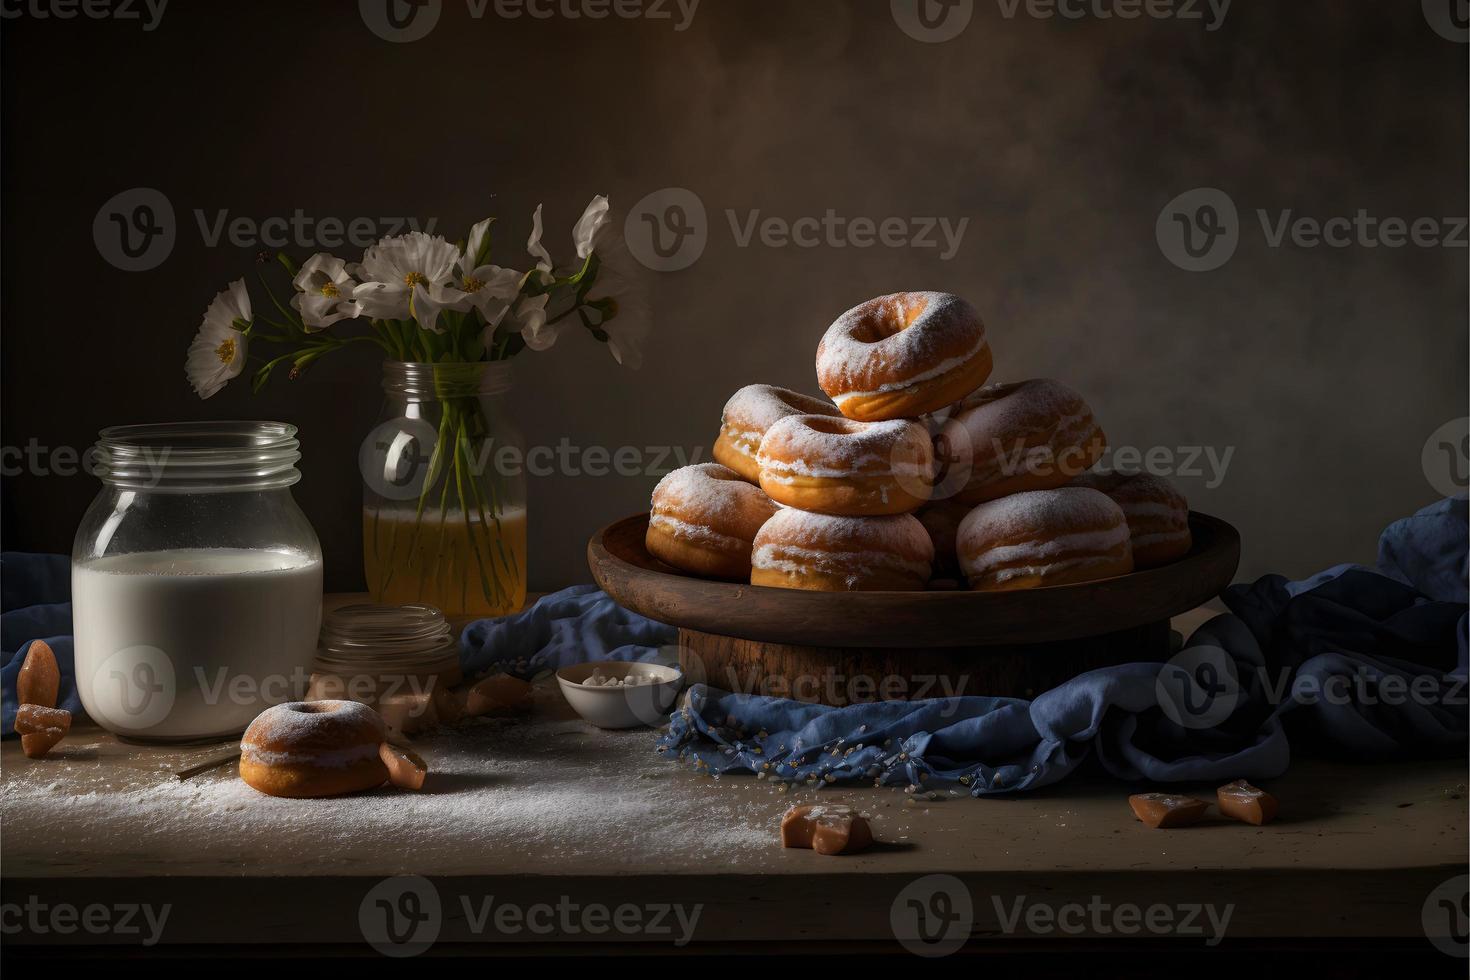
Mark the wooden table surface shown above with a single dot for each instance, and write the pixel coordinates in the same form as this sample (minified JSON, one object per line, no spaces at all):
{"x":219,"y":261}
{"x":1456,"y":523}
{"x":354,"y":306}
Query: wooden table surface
{"x":545,"y":809}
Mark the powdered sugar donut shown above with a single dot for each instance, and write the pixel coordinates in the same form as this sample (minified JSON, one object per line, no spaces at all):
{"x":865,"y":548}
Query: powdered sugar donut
{"x":903,"y":355}
{"x":314,"y":748}
{"x":1157,"y":514}
{"x":703,"y":520}
{"x":839,"y":466}
{"x":749,"y":413}
{"x":1044,"y":537}
{"x":822,"y":553}
{"x":1008,"y":438}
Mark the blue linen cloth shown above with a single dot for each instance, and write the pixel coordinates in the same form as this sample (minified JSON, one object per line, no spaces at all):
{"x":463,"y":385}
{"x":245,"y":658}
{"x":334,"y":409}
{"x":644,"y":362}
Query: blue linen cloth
{"x":1367,"y":663}
{"x":35,"y":604}
{"x":568,"y":627}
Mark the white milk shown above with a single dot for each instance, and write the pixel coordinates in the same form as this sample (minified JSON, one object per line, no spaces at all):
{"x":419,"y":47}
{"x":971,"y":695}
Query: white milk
{"x":193,"y":643}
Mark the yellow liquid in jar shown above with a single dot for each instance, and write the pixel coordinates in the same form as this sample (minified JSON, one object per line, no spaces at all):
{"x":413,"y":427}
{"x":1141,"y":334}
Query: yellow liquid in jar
{"x":463,"y":570}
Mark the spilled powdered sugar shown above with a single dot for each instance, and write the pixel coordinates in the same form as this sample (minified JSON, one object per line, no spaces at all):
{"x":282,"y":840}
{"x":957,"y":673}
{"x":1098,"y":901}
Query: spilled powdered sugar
{"x":557,"y":792}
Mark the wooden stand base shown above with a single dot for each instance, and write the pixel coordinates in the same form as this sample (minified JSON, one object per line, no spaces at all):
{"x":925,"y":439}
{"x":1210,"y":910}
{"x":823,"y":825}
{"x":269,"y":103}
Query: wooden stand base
{"x":849,"y":675}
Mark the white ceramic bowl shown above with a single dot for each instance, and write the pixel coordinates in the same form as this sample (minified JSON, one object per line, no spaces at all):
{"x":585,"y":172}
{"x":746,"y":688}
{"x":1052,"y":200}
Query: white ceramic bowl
{"x":644,"y":704}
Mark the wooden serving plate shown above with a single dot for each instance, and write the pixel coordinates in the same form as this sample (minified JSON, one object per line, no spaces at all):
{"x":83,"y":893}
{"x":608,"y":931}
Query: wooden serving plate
{"x":757,"y":639}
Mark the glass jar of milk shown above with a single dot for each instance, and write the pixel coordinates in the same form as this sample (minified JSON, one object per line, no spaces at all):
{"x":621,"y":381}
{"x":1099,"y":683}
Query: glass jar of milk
{"x":196,"y":580}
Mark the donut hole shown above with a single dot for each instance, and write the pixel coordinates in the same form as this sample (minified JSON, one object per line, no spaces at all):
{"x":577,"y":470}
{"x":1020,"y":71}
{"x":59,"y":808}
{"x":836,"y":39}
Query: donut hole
{"x":830,"y":426}
{"x":889,"y":318}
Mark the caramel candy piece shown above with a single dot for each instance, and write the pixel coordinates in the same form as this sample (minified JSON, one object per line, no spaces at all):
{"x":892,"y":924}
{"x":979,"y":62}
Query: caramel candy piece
{"x":32,"y":719}
{"x":39,"y":680}
{"x":827,"y":828}
{"x":1165,"y":810}
{"x":498,"y":692}
{"x":1242,"y":801}
{"x":406,"y":768}
{"x":41,"y":728}
{"x":36,"y":744}
{"x":448,"y":704}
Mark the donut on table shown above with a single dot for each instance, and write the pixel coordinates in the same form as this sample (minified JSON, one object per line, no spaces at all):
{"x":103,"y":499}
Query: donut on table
{"x":1009,"y":438}
{"x":823,"y":553}
{"x":903,"y":355}
{"x":839,"y":466}
{"x":703,"y":520}
{"x":1044,"y":537}
{"x":1157,"y":514}
{"x":749,"y":413}
{"x":314,"y":748}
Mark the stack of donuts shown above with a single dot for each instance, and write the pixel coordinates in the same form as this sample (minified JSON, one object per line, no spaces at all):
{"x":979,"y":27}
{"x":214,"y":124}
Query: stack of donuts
{"x":914,"y":474}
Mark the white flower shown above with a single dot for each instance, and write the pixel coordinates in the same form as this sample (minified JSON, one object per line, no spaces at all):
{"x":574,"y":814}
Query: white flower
{"x":620,"y":290}
{"x":400,"y":275}
{"x":590,"y":226}
{"x":487,"y":288}
{"x":324,"y":292}
{"x":218,"y":351}
{"x":530,"y":317}
{"x":534,"y":246}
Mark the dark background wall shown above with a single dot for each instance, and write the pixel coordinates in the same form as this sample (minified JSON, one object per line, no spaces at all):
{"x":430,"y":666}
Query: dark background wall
{"x":1060,"y":140}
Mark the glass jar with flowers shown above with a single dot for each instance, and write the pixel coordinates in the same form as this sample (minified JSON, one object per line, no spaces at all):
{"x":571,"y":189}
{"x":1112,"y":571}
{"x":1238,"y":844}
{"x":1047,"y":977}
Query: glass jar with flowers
{"x":444,"y":496}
